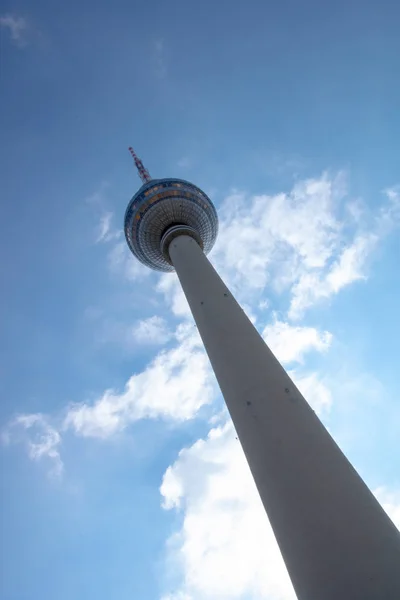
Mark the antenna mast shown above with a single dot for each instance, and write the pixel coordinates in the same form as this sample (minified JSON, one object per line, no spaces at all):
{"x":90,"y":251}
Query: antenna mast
{"x":143,"y":172}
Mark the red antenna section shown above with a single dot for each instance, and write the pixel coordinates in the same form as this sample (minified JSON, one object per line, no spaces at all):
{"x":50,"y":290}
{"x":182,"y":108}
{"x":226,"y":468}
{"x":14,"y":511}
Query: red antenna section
{"x":143,"y":172}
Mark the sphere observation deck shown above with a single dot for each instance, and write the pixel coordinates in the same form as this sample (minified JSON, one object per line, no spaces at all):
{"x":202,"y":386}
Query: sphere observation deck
{"x":163,"y":209}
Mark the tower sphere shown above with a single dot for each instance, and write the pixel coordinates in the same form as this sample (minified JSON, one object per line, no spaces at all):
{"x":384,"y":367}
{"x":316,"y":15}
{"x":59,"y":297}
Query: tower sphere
{"x":163,"y":209}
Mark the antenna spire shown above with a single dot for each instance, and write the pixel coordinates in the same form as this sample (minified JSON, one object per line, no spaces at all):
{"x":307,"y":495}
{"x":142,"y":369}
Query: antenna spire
{"x":143,"y":172}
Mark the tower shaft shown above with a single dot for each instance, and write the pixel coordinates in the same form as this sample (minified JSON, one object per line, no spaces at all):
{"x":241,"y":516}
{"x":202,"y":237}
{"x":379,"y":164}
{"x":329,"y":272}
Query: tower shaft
{"x":336,"y":540}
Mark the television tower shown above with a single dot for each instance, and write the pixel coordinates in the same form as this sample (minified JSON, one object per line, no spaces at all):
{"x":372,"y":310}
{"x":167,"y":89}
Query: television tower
{"x":336,"y":540}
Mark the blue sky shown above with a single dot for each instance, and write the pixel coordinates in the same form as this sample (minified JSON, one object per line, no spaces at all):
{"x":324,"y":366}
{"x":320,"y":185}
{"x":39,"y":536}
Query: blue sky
{"x":121,"y":474}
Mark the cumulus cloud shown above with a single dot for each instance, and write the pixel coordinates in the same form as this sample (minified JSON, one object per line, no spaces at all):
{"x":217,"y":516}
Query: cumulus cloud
{"x":105,"y":231}
{"x":179,"y":381}
{"x":41,"y":439}
{"x":175,"y":385}
{"x":17,"y":27}
{"x":169,"y":286}
{"x":315,"y":391}
{"x":293,"y":231}
{"x":348,"y":268}
{"x":225,"y":547}
{"x":390,"y":501}
{"x":98,"y":198}
{"x":263,"y":304}
{"x":304,"y":242}
{"x":389,"y":216}
{"x":153,"y":330}
{"x":289,"y":343}
{"x":122,"y":263}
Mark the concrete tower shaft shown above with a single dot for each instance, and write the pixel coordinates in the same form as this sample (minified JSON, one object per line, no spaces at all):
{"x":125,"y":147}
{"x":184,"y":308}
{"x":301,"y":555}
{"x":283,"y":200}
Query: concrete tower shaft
{"x":336,"y":540}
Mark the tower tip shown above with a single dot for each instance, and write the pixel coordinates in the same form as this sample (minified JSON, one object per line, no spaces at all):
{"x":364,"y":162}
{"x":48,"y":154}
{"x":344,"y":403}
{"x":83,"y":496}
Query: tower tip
{"x":143,"y":172}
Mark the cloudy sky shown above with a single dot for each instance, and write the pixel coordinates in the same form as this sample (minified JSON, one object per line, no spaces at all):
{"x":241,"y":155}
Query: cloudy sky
{"x":121,"y":475}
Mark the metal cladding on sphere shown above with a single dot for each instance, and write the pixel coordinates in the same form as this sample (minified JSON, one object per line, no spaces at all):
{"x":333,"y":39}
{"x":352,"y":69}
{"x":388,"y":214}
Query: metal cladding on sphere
{"x":162,"y":204}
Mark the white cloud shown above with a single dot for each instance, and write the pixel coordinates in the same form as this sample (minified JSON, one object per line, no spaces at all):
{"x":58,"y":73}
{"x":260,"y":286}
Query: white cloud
{"x":390,"y":501}
{"x":225,"y":548}
{"x":174,"y":386}
{"x":42,"y":440}
{"x":98,"y":201}
{"x":389,"y":216}
{"x":289,"y":343}
{"x":305,"y":241}
{"x":105,"y":231}
{"x":279,"y":235}
{"x":98,"y":198}
{"x":348,"y":268}
{"x":120,"y":260}
{"x":263,"y":304}
{"x":18,"y":28}
{"x":169,"y":286}
{"x":153,"y":330}
{"x":314,"y":391}
{"x":177,"y":596}
{"x":250,"y":312}
{"x":123,"y":264}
